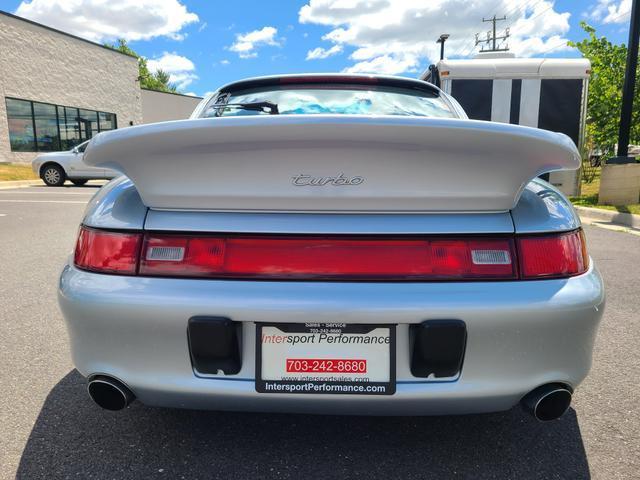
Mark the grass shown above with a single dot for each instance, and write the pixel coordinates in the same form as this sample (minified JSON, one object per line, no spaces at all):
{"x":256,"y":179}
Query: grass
{"x":16,"y":171}
{"x":589,"y":198}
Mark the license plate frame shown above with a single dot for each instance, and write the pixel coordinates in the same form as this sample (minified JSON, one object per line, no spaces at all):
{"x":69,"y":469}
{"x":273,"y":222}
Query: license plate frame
{"x":331,"y":387}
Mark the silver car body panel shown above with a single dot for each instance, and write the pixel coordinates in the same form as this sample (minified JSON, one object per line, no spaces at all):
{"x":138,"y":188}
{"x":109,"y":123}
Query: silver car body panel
{"x":297,"y":163}
{"x":117,"y":205}
{"x":357,"y":224}
{"x":543,"y":208}
{"x":521,"y":334}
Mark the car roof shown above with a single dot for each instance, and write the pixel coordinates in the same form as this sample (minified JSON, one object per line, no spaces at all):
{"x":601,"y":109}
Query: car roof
{"x":346,"y":78}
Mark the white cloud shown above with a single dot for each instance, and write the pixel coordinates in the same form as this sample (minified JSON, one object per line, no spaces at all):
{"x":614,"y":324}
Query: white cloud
{"x":101,"y":20}
{"x":224,"y":62}
{"x":247,"y":43}
{"x":396,"y":36}
{"x":180,"y":69}
{"x":610,"y":11}
{"x":321,"y":53}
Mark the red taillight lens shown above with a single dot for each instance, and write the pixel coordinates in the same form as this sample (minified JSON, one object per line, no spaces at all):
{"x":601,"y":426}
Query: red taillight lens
{"x":107,"y":251}
{"x":309,"y":257}
{"x":270,"y":257}
{"x":563,"y":255}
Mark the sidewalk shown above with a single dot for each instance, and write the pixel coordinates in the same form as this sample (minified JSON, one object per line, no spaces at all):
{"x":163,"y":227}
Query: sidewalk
{"x":19,"y":183}
{"x":609,"y":219}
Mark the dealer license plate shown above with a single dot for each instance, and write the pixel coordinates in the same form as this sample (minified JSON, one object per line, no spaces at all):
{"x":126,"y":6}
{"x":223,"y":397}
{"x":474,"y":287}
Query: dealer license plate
{"x":333,"y":358}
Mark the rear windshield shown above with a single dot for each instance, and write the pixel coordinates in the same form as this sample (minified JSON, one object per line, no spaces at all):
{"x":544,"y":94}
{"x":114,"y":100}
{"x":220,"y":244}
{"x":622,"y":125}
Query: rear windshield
{"x":332,"y":99}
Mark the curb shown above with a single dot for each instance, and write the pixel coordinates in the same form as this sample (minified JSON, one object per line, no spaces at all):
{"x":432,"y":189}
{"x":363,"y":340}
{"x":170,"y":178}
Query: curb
{"x":19,"y":183}
{"x":610,"y":216}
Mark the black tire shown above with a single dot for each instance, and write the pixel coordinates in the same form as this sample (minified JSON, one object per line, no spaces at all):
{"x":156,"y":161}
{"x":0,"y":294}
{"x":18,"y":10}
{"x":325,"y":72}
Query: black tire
{"x":79,"y":182}
{"x":53,"y":175}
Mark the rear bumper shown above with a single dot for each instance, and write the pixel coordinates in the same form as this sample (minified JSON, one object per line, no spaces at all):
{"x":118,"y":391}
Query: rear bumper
{"x":520,"y":335}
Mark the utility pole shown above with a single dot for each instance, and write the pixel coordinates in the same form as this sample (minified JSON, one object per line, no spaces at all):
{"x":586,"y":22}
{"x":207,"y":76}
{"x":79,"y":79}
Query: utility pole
{"x":628,"y":89}
{"x":441,"y":40}
{"x":493,"y":37}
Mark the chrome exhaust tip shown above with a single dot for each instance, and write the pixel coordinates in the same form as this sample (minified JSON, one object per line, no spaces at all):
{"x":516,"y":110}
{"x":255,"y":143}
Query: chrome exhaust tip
{"x":109,"y":393}
{"x":548,"y":402}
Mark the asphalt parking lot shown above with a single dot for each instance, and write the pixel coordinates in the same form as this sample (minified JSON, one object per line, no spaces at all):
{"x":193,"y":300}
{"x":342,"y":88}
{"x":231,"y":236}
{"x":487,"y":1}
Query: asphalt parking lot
{"x":50,"y":429}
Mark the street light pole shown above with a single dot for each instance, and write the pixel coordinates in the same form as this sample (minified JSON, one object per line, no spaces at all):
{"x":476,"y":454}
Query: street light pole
{"x":441,"y":40}
{"x":628,"y":89}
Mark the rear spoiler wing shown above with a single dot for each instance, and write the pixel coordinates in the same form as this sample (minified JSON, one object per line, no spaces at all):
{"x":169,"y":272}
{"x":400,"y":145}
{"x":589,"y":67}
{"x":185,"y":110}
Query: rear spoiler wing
{"x":303,"y":163}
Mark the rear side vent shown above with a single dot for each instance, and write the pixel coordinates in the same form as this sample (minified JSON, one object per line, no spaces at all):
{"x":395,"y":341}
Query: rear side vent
{"x":214,"y":343}
{"x":438,"y":348}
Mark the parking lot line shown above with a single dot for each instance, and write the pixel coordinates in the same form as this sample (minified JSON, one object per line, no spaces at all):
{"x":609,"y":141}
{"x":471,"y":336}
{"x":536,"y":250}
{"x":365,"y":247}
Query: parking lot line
{"x":40,"y":192}
{"x":41,"y":201}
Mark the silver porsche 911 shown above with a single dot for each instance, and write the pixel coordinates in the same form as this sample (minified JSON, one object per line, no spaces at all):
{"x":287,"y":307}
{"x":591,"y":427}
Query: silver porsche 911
{"x":332,"y":244}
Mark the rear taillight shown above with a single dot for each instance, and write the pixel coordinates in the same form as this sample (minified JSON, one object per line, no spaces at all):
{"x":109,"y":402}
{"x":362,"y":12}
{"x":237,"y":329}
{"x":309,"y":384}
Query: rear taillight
{"x":111,"y":252}
{"x":313,"y":258}
{"x":350,"y":258}
{"x":553,"y":256}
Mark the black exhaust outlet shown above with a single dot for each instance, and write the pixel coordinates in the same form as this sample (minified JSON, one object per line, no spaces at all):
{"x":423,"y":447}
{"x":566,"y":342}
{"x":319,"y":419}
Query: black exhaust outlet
{"x":109,"y":393}
{"x":548,"y":402}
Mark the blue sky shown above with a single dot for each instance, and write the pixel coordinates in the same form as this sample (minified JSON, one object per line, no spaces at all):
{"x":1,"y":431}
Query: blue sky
{"x":204,"y":44}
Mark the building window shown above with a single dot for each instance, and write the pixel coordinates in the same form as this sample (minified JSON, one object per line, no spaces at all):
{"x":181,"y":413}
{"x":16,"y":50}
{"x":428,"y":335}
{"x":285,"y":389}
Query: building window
{"x":43,"y":127}
{"x":46,"y":122}
{"x":20,"y":117}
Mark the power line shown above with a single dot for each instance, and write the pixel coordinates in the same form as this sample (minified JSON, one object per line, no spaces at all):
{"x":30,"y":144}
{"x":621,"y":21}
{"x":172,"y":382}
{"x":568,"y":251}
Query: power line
{"x":613,"y":20}
{"x":493,"y":37}
{"x":560,"y":45}
{"x":541,"y":13}
{"x":555,"y":47}
{"x":519,"y":8}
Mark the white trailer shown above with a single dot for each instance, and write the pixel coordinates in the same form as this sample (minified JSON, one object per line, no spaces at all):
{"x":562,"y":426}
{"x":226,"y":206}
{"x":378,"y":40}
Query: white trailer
{"x":548,"y":93}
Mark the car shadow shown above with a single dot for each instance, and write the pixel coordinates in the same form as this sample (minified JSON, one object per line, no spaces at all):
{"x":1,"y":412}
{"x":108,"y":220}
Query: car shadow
{"x":93,"y":186}
{"x":73,"y":438}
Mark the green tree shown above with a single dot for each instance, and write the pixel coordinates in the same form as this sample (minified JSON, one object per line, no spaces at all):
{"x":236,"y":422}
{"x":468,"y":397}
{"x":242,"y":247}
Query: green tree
{"x":605,"y":90}
{"x":158,"y":80}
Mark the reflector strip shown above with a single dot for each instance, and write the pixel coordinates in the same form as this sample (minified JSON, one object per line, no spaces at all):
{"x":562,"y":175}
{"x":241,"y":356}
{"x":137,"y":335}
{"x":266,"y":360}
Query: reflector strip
{"x":168,"y":254}
{"x":490,"y":257}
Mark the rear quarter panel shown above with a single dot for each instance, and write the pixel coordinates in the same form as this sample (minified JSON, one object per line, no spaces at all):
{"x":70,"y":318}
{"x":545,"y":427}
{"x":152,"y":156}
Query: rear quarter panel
{"x":543,"y":208}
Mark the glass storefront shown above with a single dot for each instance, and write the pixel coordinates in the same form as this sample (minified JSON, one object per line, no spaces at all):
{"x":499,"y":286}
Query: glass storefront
{"x":43,"y":127}
{"x":46,"y":123}
{"x":20,"y":118}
